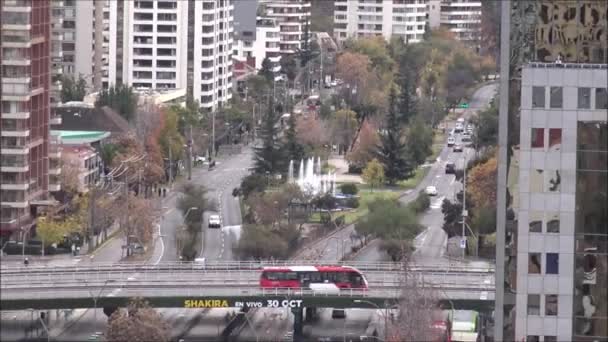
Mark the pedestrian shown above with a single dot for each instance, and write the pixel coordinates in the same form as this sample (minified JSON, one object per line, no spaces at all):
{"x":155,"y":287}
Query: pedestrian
{"x":159,"y":190}
{"x":26,"y":261}
{"x":164,"y":192}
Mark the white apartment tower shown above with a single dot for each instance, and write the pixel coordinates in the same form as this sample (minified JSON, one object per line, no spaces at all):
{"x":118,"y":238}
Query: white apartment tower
{"x":292,"y":16}
{"x":154,"y":46}
{"x":368,"y":18}
{"x":462,"y":17}
{"x":212,"y":64}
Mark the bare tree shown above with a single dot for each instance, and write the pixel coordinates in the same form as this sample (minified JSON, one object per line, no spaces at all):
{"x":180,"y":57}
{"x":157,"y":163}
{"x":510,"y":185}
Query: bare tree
{"x":138,"y":322}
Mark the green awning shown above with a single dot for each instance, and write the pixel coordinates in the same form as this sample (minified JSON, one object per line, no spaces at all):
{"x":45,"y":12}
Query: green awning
{"x":80,"y":137}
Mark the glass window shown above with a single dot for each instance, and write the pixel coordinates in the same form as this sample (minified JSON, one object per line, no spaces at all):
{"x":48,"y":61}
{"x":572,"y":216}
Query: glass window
{"x":536,"y":221}
{"x":553,"y":181}
{"x":556,"y":98}
{"x":534,"y":266}
{"x":584,"y":98}
{"x":552,"y":220}
{"x":538,"y":138}
{"x":538,"y":97}
{"x":550,"y":305}
{"x":552,"y":263}
{"x":533,"y":304}
{"x":601,"y":98}
{"x":555,"y":138}
{"x":550,"y":338}
{"x":532,"y":338}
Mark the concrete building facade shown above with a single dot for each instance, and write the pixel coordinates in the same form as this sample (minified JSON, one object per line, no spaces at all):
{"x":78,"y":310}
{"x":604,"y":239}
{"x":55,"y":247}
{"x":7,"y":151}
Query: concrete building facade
{"x":552,"y":212}
{"x":293,"y":18}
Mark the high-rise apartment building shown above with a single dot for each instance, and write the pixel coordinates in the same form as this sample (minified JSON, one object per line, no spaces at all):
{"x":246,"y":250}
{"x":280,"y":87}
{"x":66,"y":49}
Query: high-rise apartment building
{"x":213,"y":39}
{"x":552,"y":223}
{"x":461,"y":17}
{"x":265,"y":43}
{"x":365,"y":18}
{"x":155,"y":44}
{"x":293,"y":18}
{"x":27,"y":157}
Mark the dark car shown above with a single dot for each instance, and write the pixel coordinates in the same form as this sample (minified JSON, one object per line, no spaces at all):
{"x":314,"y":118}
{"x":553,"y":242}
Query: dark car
{"x":450,"y":167}
{"x":457,"y":148}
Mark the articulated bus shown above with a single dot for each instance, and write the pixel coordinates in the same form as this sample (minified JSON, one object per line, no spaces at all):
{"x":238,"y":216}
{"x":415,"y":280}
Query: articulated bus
{"x":343,"y":277}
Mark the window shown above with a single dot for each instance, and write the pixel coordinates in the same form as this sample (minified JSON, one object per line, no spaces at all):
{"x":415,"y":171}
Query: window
{"x":552,"y":220}
{"x":538,"y":97}
{"x":550,"y":338}
{"x":555,"y":138}
{"x":553,"y":181}
{"x":533,"y":304}
{"x":551,"y":305}
{"x":584,"y":98}
{"x":532,"y":338}
{"x":552,"y":263}
{"x":536,"y":221}
{"x":556,"y":99}
{"x":537,"y":179}
{"x":601,"y":98}
{"x":534,"y":263}
{"x":538,"y":138}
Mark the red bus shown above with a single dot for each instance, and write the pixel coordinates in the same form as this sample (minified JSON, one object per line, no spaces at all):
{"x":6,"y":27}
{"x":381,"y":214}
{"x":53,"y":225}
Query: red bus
{"x":344,"y":277}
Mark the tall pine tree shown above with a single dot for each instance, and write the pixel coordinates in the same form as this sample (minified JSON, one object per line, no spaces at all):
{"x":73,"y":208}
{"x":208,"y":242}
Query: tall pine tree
{"x":269,"y":157}
{"x":266,"y":71}
{"x":392,"y":151}
{"x":407,"y":94}
{"x":292,"y":148}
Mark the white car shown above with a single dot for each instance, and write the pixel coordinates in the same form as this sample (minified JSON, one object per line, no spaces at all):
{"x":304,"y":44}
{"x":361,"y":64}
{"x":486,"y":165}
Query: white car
{"x":451,"y":141}
{"x":459,"y":128}
{"x":215,"y":221}
{"x":431,"y":190}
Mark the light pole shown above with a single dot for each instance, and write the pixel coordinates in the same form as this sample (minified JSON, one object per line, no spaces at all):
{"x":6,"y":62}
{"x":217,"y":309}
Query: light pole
{"x":379,"y":308}
{"x":96,"y":298}
{"x":463,"y":243}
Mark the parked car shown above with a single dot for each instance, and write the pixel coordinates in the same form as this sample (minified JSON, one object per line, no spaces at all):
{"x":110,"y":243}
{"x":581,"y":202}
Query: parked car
{"x":451,"y":141}
{"x":431,"y":190}
{"x":457,"y":148}
{"x":450,"y":167}
{"x":215,"y":221}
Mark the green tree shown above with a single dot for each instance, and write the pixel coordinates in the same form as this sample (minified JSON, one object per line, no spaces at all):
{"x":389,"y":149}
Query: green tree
{"x":373,"y":174}
{"x":392,"y":149}
{"x":257,"y":88}
{"x":266,"y":70}
{"x":344,"y":128}
{"x":426,"y":36}
{"x":120,"y":98}
{"x":170,"y":138}
{"x":407,"y":95}
{"x":305,"y":48}
{"x":269,"y":158}
{"x":387,"y":219}
{"x":71,"y":89}
{"x":460,"y":76}
{"x":194,"y":196}
{"x":260,"y":242}
{"x":486,"y":124}
{"x":289,"y":66}
{"x":138,"y":322}
{"x":419,"y":141}
{"x":293,"y":150}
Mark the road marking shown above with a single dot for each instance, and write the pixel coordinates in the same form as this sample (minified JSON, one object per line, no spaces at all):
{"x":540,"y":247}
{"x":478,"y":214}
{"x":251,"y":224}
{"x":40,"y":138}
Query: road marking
{"x":436,"y":204}
{"x":162,"y":246}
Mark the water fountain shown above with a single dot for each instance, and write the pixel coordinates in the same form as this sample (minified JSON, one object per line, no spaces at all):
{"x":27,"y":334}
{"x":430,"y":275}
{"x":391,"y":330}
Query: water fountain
{"x":311,"y":179}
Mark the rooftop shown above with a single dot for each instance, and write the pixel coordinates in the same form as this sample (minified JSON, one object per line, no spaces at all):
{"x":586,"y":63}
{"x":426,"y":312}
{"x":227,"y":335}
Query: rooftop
{"x":80,"y":137}
{"x":90,"y":119}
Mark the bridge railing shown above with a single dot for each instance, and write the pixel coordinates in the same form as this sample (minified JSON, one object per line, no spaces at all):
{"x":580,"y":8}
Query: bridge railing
{"x":450,"y":266}
{"x":245,"y":292}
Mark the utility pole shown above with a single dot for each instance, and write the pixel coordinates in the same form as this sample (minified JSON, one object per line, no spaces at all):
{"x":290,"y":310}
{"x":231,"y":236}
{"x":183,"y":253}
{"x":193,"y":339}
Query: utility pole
{"x":212,"y":135}
{"x":464,"y":208}
{"x":189,"y":164}
{"x":170,"y":164}
{"x":321,"y":80}
{"x":127,"y":225}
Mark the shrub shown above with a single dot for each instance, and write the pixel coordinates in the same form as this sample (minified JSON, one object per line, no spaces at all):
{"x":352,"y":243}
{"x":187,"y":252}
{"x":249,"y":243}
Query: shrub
{"x":421,"y":203}
{"x":352,"y":202}
{"x":253,"y":183}
{"x":325,"y":217}
{"x":339,"y":220}
{"x":349,"y":188}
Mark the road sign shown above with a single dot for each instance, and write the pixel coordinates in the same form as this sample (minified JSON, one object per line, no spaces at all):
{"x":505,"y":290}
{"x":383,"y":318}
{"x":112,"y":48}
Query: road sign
{"x":463,"y":243}
{"x":463,"y":105}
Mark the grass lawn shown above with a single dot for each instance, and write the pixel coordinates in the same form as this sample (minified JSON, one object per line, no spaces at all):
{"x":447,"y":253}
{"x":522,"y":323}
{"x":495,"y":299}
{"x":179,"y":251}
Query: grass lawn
{"x":413,"y":182}
{"x":366,"y":196}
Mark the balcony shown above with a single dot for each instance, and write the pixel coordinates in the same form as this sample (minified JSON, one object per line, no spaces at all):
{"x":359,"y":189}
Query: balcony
{"x":18,"y":89}
{"x":55,"y":170}
{"x":16,"y":166}
{"x":54,"y":187}
{"x":55,"y":120}
{"x":15,"y":185}
{"x":14,"y":132}
{"x":14,"y":202}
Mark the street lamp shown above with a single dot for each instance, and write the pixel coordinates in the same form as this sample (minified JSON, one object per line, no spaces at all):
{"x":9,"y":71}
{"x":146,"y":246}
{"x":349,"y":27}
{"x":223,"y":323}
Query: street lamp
{"x":379,"y":308}
{"x":96,"y":298}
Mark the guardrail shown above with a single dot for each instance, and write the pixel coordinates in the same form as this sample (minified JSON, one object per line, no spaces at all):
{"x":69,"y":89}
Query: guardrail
{"x":250,"y":265}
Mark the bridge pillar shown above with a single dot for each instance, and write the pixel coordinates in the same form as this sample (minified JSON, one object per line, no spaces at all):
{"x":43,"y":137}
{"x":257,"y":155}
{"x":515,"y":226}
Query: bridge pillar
{"x":310,"y":314}
{"x":298,"y":324}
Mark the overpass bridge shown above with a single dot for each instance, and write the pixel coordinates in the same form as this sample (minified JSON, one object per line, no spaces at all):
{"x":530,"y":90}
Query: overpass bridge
{"x":232,"y":284}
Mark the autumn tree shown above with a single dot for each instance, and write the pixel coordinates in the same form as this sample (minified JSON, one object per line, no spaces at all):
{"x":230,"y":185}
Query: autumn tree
{"x":311,"y":132}
{"x":490,"y":28}
{"x":373,"y":174}
{"x":51,"y":229}
{"x":481,"y":184}
{"x":138,"y":322}
{"x":392,"y":151}
{"x":141,"y":219}
{"x":365,"y":147}
{"x":344,"y":127}
{"x":70,"y":177}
